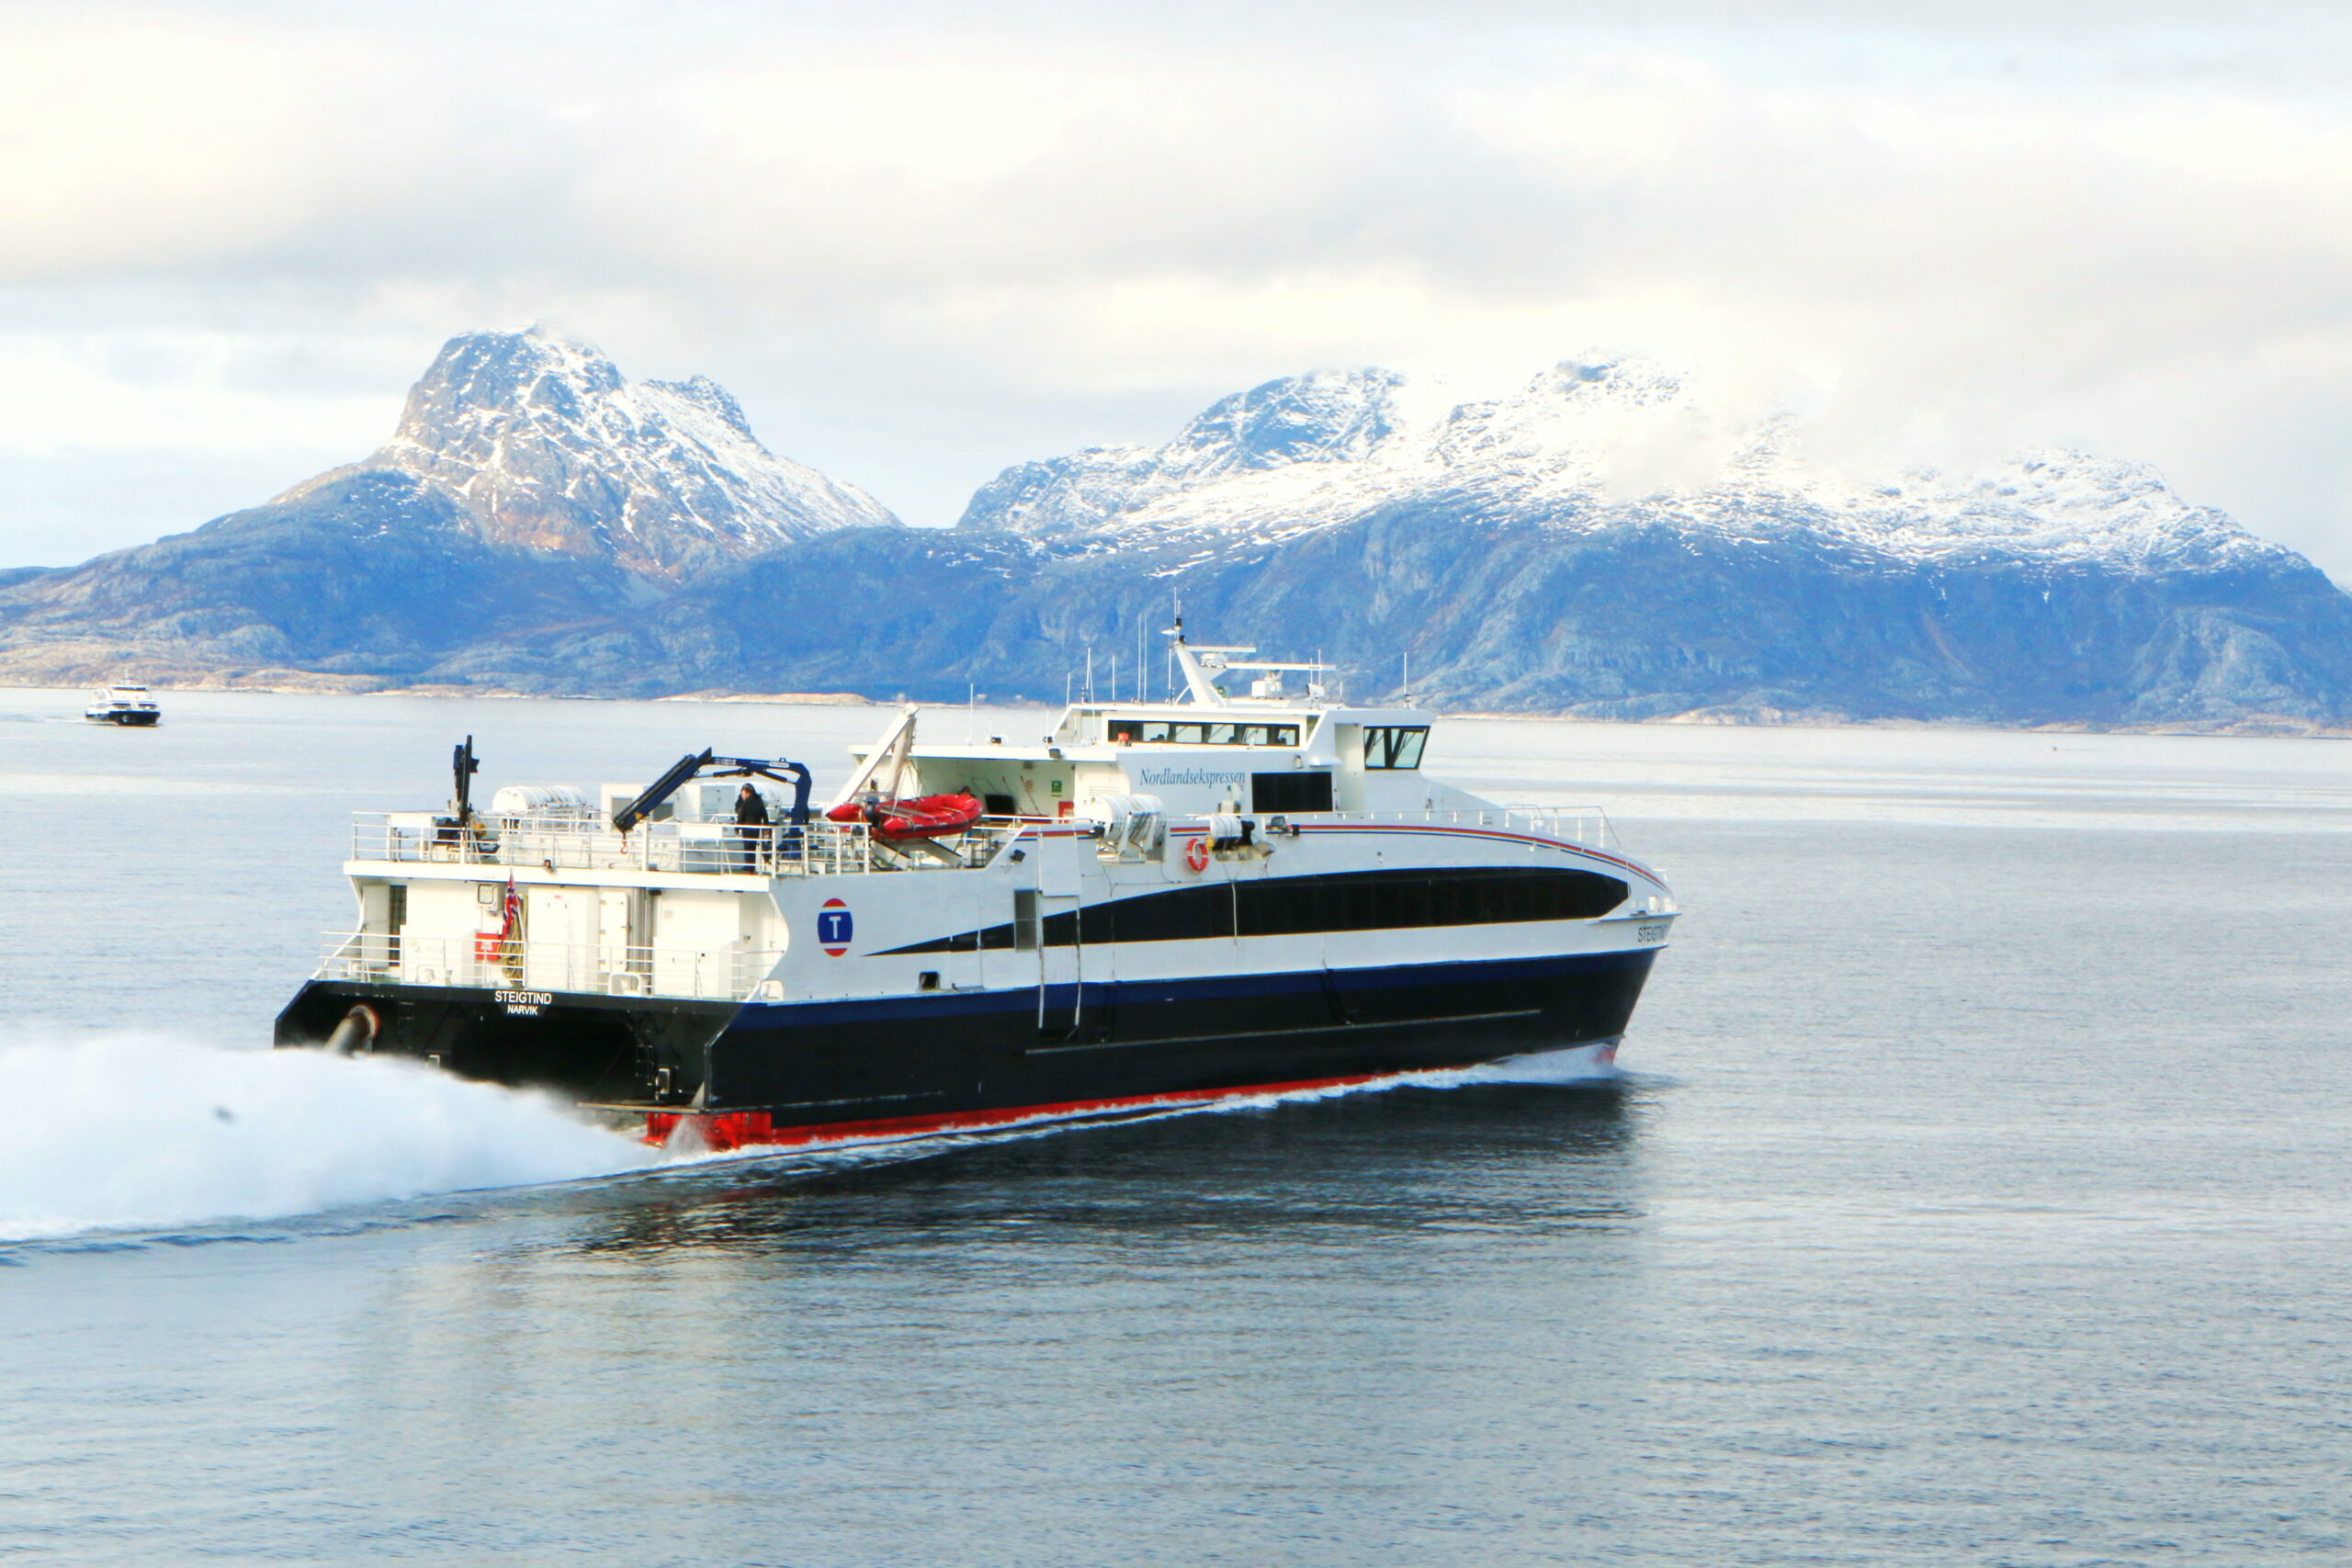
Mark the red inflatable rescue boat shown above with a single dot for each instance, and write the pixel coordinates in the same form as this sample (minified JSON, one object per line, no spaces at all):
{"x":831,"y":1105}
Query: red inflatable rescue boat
{"x":926,"y":817}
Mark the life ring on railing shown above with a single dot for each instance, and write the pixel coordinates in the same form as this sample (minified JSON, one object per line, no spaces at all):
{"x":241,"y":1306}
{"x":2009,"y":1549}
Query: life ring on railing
{"x":1196,"y":853}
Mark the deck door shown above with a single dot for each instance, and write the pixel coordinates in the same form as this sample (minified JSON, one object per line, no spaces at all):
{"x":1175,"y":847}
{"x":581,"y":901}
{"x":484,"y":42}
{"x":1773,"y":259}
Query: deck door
{"x":623,"y":952}
{"x":558,"y":949}
{"x":1061,"y":950}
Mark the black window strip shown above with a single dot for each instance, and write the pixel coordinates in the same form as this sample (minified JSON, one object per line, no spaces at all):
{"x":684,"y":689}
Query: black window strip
{"x":1340,"y":901}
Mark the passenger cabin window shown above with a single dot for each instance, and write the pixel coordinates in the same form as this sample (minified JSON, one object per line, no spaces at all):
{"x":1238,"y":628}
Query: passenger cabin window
{"x":1168,"y":732}
{"x":1394,"y":745}
{"x":1290,"y":792}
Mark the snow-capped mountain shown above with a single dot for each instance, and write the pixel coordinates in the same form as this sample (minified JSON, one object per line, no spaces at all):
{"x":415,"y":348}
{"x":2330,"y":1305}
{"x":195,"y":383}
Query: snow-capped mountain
{"x":1600,"y":542}
{"x":532,"y":495}
{"x":540,"y":442}
{"x":1583,"y":448}
{"x":1597,"y":543}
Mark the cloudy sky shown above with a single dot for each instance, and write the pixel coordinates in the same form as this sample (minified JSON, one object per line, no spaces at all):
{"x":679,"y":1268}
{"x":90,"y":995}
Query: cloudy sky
{"x":923,"y":240}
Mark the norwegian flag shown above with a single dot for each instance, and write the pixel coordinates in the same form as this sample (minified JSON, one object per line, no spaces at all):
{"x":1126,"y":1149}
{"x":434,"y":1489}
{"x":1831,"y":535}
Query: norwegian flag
{"x":499,"y":946}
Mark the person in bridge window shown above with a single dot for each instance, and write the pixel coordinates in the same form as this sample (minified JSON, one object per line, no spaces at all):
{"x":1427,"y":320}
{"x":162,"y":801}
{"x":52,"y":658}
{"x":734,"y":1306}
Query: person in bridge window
{"x":750,"y":828}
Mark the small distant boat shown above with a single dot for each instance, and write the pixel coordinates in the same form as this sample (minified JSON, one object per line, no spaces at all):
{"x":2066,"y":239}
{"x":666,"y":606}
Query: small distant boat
{"x":926,"y":817}
{"x":130,"y":707}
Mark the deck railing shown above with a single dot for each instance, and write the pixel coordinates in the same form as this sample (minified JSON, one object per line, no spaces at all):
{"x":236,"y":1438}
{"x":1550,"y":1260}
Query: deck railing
{"x":1585,"y":825}
{"x":819,"y":849}
{"x":487,"y":960}
{"x":828,"y":848}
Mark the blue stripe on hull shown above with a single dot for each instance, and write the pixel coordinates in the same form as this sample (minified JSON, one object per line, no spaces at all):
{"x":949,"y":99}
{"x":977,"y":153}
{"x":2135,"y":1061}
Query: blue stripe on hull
{"x":963,"y":1050}
{"x":1024,"y":999}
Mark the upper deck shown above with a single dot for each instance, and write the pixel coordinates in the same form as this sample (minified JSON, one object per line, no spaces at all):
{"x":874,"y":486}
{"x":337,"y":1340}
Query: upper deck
{"x":416,"y":840}
{"x":1280,"y":756}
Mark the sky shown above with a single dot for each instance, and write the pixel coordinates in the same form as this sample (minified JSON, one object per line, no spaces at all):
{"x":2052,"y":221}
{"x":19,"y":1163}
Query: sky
{"x":921,"y":242}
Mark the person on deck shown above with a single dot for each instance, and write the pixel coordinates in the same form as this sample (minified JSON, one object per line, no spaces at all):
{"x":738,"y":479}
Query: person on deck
{"x":750,"y":828}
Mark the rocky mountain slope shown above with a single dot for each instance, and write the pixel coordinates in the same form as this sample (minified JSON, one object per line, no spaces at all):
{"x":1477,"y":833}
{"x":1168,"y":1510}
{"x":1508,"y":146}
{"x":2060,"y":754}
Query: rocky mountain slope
{"x":530,"y":492}
{"x":541,"y":443}
{"x":1595,"y":543}
{"x":1583,"y":449}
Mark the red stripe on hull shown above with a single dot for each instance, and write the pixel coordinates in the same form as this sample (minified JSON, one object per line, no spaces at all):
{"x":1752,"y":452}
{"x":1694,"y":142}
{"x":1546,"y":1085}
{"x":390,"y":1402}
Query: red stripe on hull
{"x":724,"y":1130}
{"x":1428,"y":832}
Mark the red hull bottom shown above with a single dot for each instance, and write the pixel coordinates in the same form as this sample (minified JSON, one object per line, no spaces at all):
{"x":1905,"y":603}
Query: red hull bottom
{"x":722,"y":1131}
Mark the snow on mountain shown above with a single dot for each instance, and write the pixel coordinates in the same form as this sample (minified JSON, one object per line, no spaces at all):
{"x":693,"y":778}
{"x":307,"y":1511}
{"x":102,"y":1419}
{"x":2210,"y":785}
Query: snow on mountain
{"x":1599,"y":542}
{"x":1311,"y":422}
{"x":1583,"y":448}
{"x":542,"y":443}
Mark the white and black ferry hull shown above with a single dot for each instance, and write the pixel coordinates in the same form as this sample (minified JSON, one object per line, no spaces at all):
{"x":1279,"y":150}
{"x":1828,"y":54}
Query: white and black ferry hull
{"x":1057,"y":980}
{"x":803,"y":1072}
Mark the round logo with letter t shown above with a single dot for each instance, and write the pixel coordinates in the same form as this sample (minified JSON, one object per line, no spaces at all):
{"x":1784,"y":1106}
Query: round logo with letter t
{"x":834,"y":928}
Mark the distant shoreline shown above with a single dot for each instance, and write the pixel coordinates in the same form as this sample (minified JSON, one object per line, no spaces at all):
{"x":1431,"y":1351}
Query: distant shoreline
{"x":2259,"y":727}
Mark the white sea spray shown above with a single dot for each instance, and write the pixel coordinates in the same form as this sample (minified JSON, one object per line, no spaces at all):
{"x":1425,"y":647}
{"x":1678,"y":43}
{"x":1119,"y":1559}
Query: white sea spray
{"x":141,"y":1130}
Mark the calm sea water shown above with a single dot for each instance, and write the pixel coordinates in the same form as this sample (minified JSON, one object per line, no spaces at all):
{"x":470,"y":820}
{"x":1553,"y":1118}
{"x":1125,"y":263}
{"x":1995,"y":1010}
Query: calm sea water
{"x":1979,"y":1193}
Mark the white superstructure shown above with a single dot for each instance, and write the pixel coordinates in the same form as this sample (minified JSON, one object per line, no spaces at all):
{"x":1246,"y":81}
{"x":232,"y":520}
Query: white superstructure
{"x":1228,"y":869}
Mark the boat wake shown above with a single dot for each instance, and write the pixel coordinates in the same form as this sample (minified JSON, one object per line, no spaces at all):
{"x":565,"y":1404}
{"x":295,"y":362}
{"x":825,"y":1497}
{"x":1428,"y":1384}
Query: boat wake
{"x":143,"y":1131}
{"x":1572,"y":1065}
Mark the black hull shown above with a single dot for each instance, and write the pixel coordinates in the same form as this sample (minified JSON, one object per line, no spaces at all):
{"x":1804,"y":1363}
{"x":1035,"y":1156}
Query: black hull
{"x":942,"y":1057}
{"x":588,"y":1048}
{"x":127,"y":720}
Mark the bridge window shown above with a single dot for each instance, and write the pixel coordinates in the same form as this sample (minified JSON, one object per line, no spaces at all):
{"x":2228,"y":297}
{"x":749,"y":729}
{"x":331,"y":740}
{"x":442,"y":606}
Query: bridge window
{"x":1164,"y":732}
{"x":1394,"y":745}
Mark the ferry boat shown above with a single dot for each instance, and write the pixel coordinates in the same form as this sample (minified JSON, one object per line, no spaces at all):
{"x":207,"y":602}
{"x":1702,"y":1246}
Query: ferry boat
{"x":130,"y":706}
{"x":1158,"y":904}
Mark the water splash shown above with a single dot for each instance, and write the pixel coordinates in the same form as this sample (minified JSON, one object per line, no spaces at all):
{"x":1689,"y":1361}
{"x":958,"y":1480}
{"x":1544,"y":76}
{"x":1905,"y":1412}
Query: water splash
{"x":1569,"y":1065}
{"x":1589,"y":1065}
{"x":134,"y":1129}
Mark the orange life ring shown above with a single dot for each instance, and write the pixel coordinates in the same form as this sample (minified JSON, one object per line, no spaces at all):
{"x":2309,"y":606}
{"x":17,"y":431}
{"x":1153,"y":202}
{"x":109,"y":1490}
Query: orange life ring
{"x":1196,"y":854}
